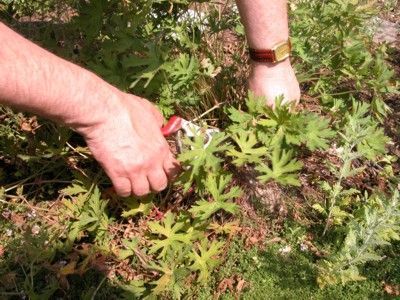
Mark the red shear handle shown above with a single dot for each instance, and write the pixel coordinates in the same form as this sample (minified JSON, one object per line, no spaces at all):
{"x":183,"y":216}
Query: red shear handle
{"x":173,"y":125}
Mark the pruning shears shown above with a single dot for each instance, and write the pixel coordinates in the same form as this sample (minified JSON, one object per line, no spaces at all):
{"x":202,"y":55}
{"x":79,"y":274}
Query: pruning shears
{"x":176,"y":124}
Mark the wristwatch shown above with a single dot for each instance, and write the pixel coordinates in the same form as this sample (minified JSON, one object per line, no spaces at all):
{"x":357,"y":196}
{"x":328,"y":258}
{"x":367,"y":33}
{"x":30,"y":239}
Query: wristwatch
{"x":279,"y":52}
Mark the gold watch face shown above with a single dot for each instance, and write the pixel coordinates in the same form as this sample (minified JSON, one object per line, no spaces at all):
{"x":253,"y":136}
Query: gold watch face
{"x":282,"y":51}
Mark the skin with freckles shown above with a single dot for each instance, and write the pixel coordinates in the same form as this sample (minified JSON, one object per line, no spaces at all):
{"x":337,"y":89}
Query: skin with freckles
{"x":123,"y":130}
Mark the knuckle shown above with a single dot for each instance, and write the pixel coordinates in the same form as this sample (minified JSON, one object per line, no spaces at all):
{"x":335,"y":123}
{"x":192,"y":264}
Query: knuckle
{"x":161,"y":148}
{"x":135,"y":167}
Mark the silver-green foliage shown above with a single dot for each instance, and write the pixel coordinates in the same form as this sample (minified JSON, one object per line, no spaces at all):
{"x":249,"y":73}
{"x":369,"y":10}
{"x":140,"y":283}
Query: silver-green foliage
{"x":375,"y":225}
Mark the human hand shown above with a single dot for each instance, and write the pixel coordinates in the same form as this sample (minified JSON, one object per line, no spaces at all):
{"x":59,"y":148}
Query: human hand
{"x":274,"y":80}
{"x":129,"y":146}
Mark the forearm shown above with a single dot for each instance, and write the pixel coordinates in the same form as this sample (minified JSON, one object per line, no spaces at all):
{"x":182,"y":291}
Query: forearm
{"x":266,"y":24}
{"x":265,"y":21}
{"x":34,"y":80}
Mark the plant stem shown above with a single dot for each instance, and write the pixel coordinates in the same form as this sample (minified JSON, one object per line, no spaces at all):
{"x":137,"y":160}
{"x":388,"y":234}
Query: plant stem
{"x":98,"y":288}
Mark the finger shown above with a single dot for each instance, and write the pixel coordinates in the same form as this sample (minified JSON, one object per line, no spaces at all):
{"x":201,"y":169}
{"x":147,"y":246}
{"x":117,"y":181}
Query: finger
{"x":158,"y":179}
{"x":122,"y":186}
{"x":140,"y":185}
{"x":171,"y":166}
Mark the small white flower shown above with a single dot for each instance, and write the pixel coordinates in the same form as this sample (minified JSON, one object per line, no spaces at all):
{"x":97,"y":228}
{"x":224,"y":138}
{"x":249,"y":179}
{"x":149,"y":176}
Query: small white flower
{"x":62,"y":262}
{"x":9,"y":232}
{"x":35,"y":229}
{"x":339,"y":150}
{"x":32,"y":214}
{"x":285,"y":250}
{"x":303,"y":247}
{"x":6,"y":214}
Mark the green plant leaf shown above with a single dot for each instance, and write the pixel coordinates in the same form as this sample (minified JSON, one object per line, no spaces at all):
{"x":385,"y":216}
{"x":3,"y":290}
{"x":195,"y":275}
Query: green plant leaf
{"x":281,"y":168}
{"x":248,"y":150}
{"x":204,"y":259}
{"x":169,"y":235}
{"x":216,"y":185}
{"x":136,"y":206}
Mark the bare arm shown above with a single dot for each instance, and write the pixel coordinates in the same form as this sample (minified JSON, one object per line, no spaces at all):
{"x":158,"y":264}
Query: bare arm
{"x":35,"y":80}
{"x":122,"y":131}
{"x":266,"y":24}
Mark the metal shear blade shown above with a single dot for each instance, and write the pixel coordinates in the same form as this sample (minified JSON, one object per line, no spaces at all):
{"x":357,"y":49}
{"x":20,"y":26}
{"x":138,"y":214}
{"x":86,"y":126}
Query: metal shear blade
{"x":189,"y":128}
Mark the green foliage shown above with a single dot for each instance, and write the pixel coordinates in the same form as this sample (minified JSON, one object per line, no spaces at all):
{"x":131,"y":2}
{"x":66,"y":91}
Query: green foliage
{"x":202,"y":160}
{"x":249,"y":152}
{"x":282,"y":168}
{"x":88,"y":211}
{"x":131,"y":246}
{"x":317,"y":133}
{"x":136,"y":206}
{"x":375,"y":226}
{"x":173,"y":235}
{"x":282,"y":124}
{"x":361,"y":138}
{"x":170,"y":242}
{"x":337,"y":52}
{"x":362,"y":131}
{"x":215,"y":186}
{"x":204,"y":260}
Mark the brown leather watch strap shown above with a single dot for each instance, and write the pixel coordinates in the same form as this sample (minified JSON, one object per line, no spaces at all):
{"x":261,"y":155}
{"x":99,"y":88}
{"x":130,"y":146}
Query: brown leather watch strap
{"x":262,"y":55}
{"x":276,"y":54}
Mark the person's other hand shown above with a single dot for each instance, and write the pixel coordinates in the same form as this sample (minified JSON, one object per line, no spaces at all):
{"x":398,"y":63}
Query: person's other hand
{"x":129,"y":146}
{"x":274,"y":80}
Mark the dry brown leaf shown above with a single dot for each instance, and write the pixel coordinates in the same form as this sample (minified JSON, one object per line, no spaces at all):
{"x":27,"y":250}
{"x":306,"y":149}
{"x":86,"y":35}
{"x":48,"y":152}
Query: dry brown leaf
{"x":240,"y":285}
{"x":17,"y":219}
{"x":391,"y":289}
{"x":29,"y":124}
{"x":99,"y":263}
{"x":226,"y":284}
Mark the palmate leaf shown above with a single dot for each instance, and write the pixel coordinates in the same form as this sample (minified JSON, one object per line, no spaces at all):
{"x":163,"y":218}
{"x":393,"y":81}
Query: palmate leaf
{"x":169,"y":235}
{"x":204,"y":260}
{"x":153,"y":64}
{"x":74,"y":189}
{"x":249,"y":152}
{"x":183,"y":70}
{"x":282,"y":168}
{"x":295,"y":128}
{"x":89,"y":212}
{"x":135,"y":288}
{"x":130,"y":247}
{"x":256,"y":104}
{"x":240,"y":117}
{"x":317,"y":133}
{"x":136,"y":206}
{"x":90,"y":17}
{"x":204,"y":209}
{"x":216,"y":185}
{"x":173,"y":275}
{"x":200,"y":159}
